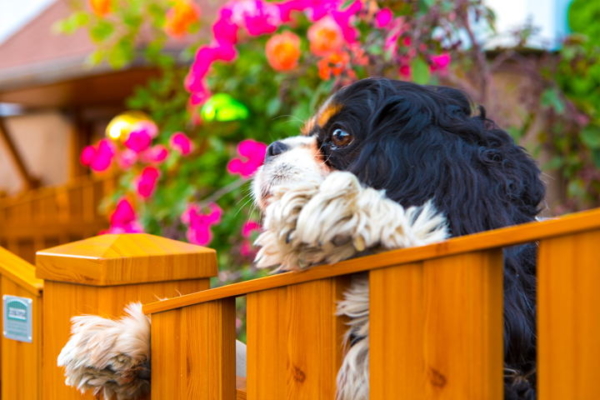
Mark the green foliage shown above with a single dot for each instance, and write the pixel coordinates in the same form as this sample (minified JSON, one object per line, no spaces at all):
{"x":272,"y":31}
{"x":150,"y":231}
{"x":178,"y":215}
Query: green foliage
{"x":271,"y":105}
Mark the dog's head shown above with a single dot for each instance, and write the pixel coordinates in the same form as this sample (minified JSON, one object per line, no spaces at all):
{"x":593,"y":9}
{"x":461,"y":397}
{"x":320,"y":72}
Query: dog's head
{"x":417,"y":143}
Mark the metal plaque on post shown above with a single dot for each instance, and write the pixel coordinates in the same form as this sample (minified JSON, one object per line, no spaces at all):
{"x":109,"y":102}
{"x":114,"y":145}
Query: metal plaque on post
{"x":17,"y":313}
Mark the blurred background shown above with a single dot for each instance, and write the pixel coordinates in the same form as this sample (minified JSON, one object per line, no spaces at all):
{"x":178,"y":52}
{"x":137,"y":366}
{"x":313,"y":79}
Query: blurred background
{"x":151,"y":115}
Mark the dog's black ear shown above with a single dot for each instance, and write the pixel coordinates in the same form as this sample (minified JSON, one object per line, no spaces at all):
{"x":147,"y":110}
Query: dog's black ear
{"x":424,"y":143}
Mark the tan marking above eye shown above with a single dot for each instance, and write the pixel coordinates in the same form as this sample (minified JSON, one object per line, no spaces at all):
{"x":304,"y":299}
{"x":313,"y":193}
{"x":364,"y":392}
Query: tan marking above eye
{"x":308,"y":127}
{"x":329,"y":111}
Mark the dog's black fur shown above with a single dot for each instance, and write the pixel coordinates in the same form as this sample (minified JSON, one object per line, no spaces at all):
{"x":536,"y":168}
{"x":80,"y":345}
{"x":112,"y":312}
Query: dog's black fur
{"x":423,"y":142}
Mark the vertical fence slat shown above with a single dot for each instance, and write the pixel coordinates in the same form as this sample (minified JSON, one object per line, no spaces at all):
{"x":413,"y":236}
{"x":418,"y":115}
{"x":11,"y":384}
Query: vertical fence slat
{"x":436,"y":329}
{"x":100,"y":276}
{"x":21,"y":369}
{"x":294,"y":341}
{"x":569,"y":317}
{"x":193,"y":352}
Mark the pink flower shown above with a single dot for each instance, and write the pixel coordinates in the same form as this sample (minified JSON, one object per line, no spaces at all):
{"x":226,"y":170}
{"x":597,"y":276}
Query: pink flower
{"x":405,"y":72}
{"x":123,"y":219}
{"x":224,"y":30}
{"x":99,"y":157}
{"x":320,"y":8}
{"x":257,"y":16}
{"x":254,"y":154}
{"x":246,"y":249}
{"x":138,"y":140}
{"x":181,"y":143}
{"x":146,"y":183}
{"x":199,"y":224}
{"x":383,"y":18}
{"x":249,"y":227}
{"x":87,"y":155}
{"x":155,"y":154}
{"x":199,"y":96}
{"x":286,"y":8}
{"x":127,"y":158}
{"x":440,"y":62}
{"x":123,"y":213}
{"x":147,"y":126}
{"x":343,"y":18}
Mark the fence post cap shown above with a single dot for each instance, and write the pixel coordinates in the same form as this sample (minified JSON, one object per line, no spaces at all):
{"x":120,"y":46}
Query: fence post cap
{"x":118,"y":259}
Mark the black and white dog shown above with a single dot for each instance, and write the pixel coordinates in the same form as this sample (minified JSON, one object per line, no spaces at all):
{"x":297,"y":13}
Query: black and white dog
{"x":383,"y":164}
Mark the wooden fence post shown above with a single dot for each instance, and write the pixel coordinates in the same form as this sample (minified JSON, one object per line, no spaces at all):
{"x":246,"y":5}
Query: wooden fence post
{"x":21,"y":360}
{"x":100,"y":276}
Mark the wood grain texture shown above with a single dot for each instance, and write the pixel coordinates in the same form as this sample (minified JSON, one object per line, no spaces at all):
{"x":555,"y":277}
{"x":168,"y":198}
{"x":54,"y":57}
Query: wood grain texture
{"x":294,"y":341}
{"x":125,"y":259}
{"x":193,"y":352}
{"x":436,"y":329}
{"x":20,"y":272}
{"x":22,"y":362}
{"x":569,"y":317}
{"x":100,"y":276}
{"x":65,"y":300}
{"x":579,"y":222}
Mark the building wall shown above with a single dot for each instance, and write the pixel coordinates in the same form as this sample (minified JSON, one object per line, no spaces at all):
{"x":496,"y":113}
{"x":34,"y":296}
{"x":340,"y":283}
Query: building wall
{"x":43,"y":139}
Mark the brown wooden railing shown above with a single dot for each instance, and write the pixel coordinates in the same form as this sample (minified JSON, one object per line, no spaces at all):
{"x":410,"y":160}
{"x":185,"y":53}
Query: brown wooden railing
{"x":435,"y":317}
{"x":51,"y":216}
{"x":435,"y":323}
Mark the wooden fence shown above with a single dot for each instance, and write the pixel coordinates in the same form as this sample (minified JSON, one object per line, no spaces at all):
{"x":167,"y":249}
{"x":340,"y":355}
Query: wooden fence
{"x":51,"y":216}
{"x":435,"y":317}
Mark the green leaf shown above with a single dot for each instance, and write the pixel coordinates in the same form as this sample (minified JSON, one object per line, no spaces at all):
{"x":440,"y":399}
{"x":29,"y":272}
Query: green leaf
{"x":95,"y":58}
{"x":273,"y":106}
{"x":75,"y":21}
{"x":420,"y":71}
{"x":554,"y":164}
{"x":101,"y":31}
{"x":120,"y":54}
{"x":551,"y":98}
{"x":596,"y":157}
{"x":590,"y":136}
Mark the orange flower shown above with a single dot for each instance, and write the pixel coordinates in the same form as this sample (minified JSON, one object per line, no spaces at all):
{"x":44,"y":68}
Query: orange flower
{"x":333,"y":65}
{"x":283,"y":51}
{"x":325,"y":37}
{"x":180,"y":17}
{"x":100,"y":7}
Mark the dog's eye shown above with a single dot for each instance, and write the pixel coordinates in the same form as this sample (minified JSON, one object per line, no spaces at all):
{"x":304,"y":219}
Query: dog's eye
{"x":341,"y":138}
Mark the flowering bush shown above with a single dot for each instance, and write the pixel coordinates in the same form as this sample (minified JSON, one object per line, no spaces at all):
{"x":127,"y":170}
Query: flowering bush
{"x":184,"y":172}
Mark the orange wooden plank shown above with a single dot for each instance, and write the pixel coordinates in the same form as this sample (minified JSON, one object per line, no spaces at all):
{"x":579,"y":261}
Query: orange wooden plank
{"x":20,"y":272}
{"x":193,"y":352}
{"x":65,"y":300}
{"x":568,"y":317}
{"x":579,"y":222}
{"x":22,"y":362}
{"x":125,"y":259}
{"x":294,"y":341}
{"x":436,"y":329}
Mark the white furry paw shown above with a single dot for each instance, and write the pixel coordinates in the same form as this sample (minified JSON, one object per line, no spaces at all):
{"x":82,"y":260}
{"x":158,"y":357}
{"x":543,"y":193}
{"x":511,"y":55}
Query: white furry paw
{"x":314,"y":224}
{"x":109,"y":357}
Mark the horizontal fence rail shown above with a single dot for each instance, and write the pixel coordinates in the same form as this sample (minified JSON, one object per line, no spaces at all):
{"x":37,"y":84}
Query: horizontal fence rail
{"x":50,"y":216}
{"x":435,"y":322}
{"x":435,"y":317}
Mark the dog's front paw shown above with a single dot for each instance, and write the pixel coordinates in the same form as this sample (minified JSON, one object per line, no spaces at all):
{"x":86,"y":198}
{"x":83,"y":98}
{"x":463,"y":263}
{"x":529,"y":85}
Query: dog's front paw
{"x":109,"y":357}
{"x":281,"y":216}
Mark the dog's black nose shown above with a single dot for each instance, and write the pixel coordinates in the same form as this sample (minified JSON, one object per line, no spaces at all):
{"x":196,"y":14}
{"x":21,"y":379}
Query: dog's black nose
{"x":275,"y":149}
